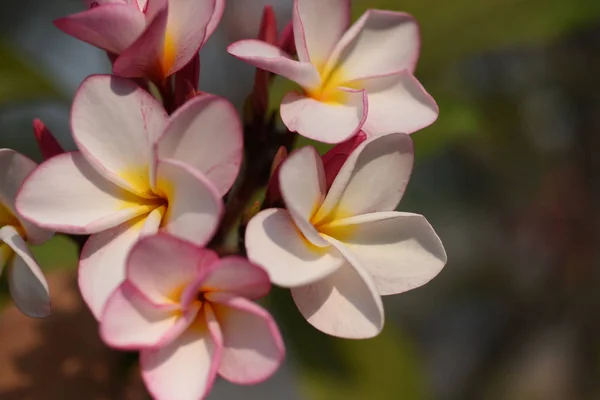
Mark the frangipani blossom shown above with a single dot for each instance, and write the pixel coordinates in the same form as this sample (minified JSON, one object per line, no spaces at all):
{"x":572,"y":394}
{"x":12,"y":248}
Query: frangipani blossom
{"x":137,"y":171}
{"x":26,"y":281}
{"x":351,"y":78}
{"x":341,"y":249}
{"x":147,"y":38}
{"x":189,"y":314}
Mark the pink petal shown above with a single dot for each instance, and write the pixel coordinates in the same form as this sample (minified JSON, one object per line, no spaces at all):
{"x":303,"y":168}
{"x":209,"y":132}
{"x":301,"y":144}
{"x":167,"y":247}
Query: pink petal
{"x":302,"y":185}
{"x":238,"y":276}
{"x":186,"y":31}
{"x":14,"y":168}
{"x":26,"y":282}
{"x":102,"y":263}
{"x":253,"y":347}
{"x":66,"y":194}
{"x":162,"y":266}
{"x":271,"y":58}
{"x":46,"y":141}
{"x":328,"y":122}
{"x":195,"y":207}
{"x":274,"y":243}
{"x":115,"y":123}
{"x":398,"y":103}
{"x":146,"y":56}
{"x":131,"y":321}
{"x":373,"y":179}
{"x":344,"y":304}
{"x":400,"y":250}
{"x":206,"y":133}
{"x":318,"y":26}
{"x":111,"y":27}
{"x":335,"y":158}
{"x":215,"y":19}
{"x":379,"y":43}
{"x":186,"y":368}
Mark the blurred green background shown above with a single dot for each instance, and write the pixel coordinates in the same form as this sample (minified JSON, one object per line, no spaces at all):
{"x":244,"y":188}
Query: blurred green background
{"x":509,"y":176}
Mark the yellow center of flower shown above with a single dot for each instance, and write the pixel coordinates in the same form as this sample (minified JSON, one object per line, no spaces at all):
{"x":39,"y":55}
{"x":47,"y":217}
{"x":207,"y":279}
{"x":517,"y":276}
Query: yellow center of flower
{"x":169,"y":53}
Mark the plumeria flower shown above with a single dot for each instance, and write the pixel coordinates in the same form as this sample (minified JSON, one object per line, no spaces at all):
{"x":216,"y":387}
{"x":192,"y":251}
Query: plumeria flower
{"x":26,"y":282}
{"x":137,"y":171}
{"x":350,"y":78}
{"x":189,"y":314}
{"x":341,"y":249}
{"x":146,"y":38}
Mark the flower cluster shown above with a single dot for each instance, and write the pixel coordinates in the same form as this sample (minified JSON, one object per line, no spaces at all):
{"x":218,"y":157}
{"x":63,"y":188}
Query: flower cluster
{"x":192,"y":213}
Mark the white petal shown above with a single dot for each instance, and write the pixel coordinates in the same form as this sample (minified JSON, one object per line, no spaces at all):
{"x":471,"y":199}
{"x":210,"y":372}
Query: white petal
{"x":102,"y":264}
{"x":185,"y":369}
{"x":271,"y":58}
{"x":162,"y":266}
{"x":344,"y":304}
{"x":328,"y":122}
{"x":206,"y":133}
{"x":195,"y":207}
{"x":302,"y":185}
{"x":131,"y":321}
{"x":318,"y":26}
{"x":115,"y":123}
{"x":66,"y":194}
{"x":379,"y":43}
{"x":26,"y":282}
{"x":398,"y":103}
{"x":252,"y":345}
{"x":400,"y":250}
{"x":274,"y":243}
{"x":372,"y":179}
{"x":14,"y":168}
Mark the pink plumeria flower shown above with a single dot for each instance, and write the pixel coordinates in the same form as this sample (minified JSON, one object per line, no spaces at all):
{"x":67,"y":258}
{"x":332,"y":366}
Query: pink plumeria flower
{"x":189,"y":314}
{"x":136,"y":171}
{"x":26,"y":281}
{"x":351,"y":78}
{"x":340,"y":250}
{"x":146,"y":38}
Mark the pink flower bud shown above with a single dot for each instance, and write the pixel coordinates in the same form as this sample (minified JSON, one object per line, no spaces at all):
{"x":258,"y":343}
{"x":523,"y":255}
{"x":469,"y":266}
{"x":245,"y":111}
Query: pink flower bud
{"x":46,"y":141}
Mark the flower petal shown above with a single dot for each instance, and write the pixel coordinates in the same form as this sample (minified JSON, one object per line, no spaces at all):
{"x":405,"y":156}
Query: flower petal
{"x":111,"y":27}
{"x":26,"y":282}
{"x":302,"y":185}
{"x":14,"y":168}
{"x":145,"y":57}
{"x":344,"y":304}
{"x":161,"y":266}
{"x":401,"y":251}
{"x":130,"y":321}
{"x":215,"y":19}
{"x":398,"y":103}
{"x":335,"y":158}
{"x":186,"y":31}
{"x":238,"y":276}
{"x":102,"y":263}
{"x":66,"y":194}
{"x":379,"y":43}
{"x":271,"y":58}
{"x":328,"y":122}
{"x":318,"y":26}
{"x":186,"y":368}
{"x":372,"y":179}
{"x":253,"y":347}
{"x":274,"y":243}
{"x":195,"y":207}
{"x":115,"y":123}
{"x":206,"y":133}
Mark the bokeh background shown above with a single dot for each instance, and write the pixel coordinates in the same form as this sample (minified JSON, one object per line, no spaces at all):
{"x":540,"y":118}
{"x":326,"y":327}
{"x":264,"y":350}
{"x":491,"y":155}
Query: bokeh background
{"x":509,"y":176}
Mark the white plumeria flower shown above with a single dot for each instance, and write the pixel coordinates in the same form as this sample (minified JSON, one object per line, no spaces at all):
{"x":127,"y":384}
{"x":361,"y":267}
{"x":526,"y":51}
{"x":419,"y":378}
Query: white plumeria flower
{"x":340,"y":250}
{"x":190,"y":315}
{"x":136,"y":171}
{"x":26,"y":282}
{"x":351,"y":78}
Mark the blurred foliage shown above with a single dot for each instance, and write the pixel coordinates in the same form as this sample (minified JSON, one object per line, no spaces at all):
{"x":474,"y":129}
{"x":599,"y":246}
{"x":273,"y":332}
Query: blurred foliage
{"x":18,"y":81}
